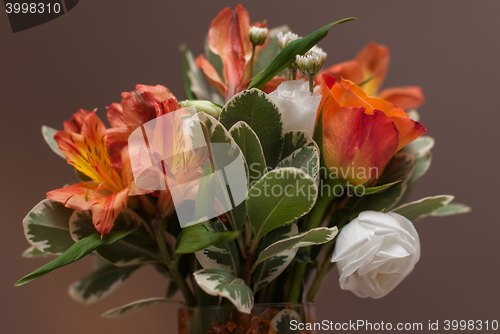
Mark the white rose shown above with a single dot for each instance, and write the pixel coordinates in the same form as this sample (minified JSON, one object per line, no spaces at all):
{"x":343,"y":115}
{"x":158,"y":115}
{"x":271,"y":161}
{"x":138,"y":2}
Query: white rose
{"x":375,"y":252}
{"x":297,"y":105}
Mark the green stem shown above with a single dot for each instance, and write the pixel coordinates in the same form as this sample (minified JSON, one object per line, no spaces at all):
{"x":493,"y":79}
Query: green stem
{"x":173,"y":265}
{"x":318,"y":281}
{"x":296,"y":284}
{"x":311,"y":82}
{"x":294,"y":74}
{"x":252,"y":60}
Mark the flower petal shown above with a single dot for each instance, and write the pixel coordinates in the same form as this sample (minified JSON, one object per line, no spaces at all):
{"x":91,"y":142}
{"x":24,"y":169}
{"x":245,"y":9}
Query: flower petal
{"x":105,"y":209}
{"x":115,"y":116}
{"x":211,"y":74}
{"x":374,"y":60}
{"x":116,"y":140}
{"x":408,"y":98}
{"x":76,"y":122}
{"x":76,"y":196}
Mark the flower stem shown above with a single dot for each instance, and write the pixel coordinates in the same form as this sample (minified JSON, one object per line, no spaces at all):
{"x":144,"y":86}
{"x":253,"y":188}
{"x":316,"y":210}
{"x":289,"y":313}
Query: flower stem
{"x":172,"y":265}
{"x":294,"y":74}
{"x":252,"y":60}
{"x":318,"y":281}
{"x":311,"y":82}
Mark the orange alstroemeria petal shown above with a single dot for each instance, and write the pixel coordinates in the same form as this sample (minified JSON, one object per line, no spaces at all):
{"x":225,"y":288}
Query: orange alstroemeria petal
{"x":116,"y":140}
{"x":76,"y":196}
{"x":105,"y":209}
{"x":115,"y":116}
{"x":406,"y":98}
{"x":358,"y":146}
{"x":374,"y":61}
{"x":128,"y":176}
{"x":350,"y":70}
{"x":76,"y":122}
{"x":211,"y":74}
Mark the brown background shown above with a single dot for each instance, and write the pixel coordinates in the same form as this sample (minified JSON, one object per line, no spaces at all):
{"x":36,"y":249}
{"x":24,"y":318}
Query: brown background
{"x":87,"y":57}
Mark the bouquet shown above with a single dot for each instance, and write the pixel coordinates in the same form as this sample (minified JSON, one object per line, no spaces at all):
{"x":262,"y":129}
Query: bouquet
{"x":273,"y":170}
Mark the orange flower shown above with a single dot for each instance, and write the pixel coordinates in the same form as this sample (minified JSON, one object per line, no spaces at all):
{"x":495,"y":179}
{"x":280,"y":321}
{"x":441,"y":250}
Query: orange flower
{"x":229,"y":38}
{"x":373,"y":61}
{"x":83,"y":142}
{"x":362,"y":133}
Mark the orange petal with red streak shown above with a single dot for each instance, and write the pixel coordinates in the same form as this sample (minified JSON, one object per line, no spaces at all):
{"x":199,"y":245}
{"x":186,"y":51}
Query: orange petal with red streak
{"x":407,"y":98}
{"x":105,"y":209}
{"x":211,"y":74}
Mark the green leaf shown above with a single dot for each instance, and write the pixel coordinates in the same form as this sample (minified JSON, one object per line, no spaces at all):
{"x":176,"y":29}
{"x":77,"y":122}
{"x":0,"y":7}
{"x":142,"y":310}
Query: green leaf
{"x":221,"y":283}
{"x":451,"y":209}
{"x":100,"y":283}
{"x":281,"y":321}
{"x":424,"y":207}
{"x":294,"y":140}
{"x":137,"y":248}
{"x":271,"y":50}
{"x":250,"y":146}
{"x":256,"y":109}
{"x":316,"y":236}
{"x":197,"y":237}
{"x":224,"y":256}
{"x":305,"y":159}
{"x":281,"y":196}
{"x":74,"y":253}
{"x":371,"y":190}
{"x":271,"y":268}
{"x":194,"y":86}
{"x":47,"y":227}
{"x":420,"y":146}
{"x":137,"y":306}
{"x":48,"y":134}
{"x":32,"y":252}
{"x":287,"y":55}
{"x":303,"y":256}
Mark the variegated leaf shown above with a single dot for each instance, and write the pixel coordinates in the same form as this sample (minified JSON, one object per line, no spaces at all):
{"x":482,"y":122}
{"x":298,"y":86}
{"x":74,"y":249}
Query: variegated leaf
{"x":137,"y":306}
{"x":193,"y":79}
{"x":224,"y":256}
{"x":100,"y":283}
{"x":137,"y":248}
{"x":424,"y":207}
{"x":451,"y":209}
{"x":295,"y":140}
{"x":221,"y":283}
{"x":33,"y":252}
{"x":305,"y":159}
{"x":316,"y":236}
{"x":48,"y":134}
{"x":281,"y":321}
{"x":47,"y":227}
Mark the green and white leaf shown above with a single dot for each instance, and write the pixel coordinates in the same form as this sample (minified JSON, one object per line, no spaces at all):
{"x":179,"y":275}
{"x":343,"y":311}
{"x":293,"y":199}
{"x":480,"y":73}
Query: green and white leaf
{"x":294,"y":140}
{"x":224,"y":256}
{"x":127,"y":310}
{"x":250,"y":146}
{"x":197,"y":237}
{"x":316,"y":236}
{"x":371,"y":190}
{"x":194,"y":85}
{"x":221,"y":283}
{"x":281,"y":321}
{"x":48,"y":134}
{"x":424,"y":207}
{"x":256,"y":109}
{"x":77,"y":251}
{"x":451,"y":209}
{"x":305,"y":159}
{"x":100,"y":283}
{"x":137,"y":248}
{"x":295,"y":196}
{"x":32,"y":253}
{"x":420,"y":146}
{"x":46,"y":227}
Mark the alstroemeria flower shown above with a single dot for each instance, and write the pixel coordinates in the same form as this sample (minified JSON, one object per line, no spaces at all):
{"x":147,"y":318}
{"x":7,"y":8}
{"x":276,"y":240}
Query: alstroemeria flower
{"x":229,"y":38}
{"x":362,"y":133}
{"x":83,"y":142}
{"x":137,"y":107}
{"x":373,"y":61}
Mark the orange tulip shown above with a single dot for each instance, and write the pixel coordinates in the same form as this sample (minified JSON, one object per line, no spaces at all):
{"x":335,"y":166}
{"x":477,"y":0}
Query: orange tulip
{"x":373,"y":62}
{"x":362,"y":133}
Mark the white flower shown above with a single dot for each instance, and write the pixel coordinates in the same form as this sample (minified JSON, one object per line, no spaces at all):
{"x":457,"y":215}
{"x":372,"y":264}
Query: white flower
{"x":285,"y":39}
{"x":311,"y":61}
{"x":297,"y":105}
{"x":258,"y":35}
{"x":375,"y":252}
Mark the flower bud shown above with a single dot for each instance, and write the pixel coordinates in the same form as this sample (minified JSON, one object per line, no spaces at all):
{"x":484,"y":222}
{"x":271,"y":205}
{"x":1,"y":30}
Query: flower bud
{"x":285,"y":39}
{"x":258,"y":35}
{"x":311,"y":61}
{"x":203,"y":105}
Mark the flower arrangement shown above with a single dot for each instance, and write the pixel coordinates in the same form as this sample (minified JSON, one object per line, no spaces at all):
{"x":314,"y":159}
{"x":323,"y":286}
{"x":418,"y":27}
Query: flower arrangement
{"x":252,"y":188}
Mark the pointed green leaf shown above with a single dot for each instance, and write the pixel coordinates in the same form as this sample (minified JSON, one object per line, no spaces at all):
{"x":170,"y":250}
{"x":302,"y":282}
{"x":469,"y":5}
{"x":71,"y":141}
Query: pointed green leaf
{"x":420,"y":146}
{"x":100,"y":283}
{"x":451,"y":209}
{"x":250,"y":146}
{"x":47,"y":227}
{"x":194,"y":86}
{"x":361,"y":190}
{"x":256,"y":109}
{"x":279,"y":197}
{"x":48,"y":134}
{"x":197,"y":237}
{"x":316,"y":236}
{"x":75,"y":252}
{"x":271,"y":50}
{"x":137,"y":248}
{"x":137,"y":306}
{"x":424,"y":207}
{"x":287,"y":55}
{"x":303,"y":256}
{"x":305,"y":159}
{"x":221,"y":283}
